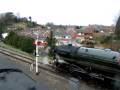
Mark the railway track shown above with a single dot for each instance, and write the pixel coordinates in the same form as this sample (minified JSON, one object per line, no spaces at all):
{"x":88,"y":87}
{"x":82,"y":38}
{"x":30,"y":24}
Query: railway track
{"x":29,"y":60}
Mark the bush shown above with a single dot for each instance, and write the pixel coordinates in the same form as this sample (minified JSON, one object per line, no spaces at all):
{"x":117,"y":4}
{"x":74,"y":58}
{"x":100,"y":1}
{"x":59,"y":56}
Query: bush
{"x":21,"y":42}
{"x":106,"y":39}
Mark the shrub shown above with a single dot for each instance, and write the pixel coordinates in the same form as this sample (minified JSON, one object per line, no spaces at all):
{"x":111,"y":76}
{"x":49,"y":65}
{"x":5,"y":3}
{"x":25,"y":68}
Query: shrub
{"x":21,"y":42}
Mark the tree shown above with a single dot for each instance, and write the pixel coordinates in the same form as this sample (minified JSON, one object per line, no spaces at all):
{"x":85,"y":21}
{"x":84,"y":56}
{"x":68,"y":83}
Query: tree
{"x":24,"y":19}
{"x":106,"y":39}
{"x":26,"y":45}
{"x":49,"y":24}
{"x":9,"y":18}
{"x":51,"y":43}
{"x":6,"y":19}
{"x":117,"y":29}
{"x":10,"y":38}
{"x":30,"y":23}
{"x":30,"y":18}
{"x":2,"y":27}
{"x":0,"y":34}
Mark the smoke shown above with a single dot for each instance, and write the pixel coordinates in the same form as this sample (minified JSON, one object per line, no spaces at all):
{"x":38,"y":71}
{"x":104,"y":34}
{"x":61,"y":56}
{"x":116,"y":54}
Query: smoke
{"x":45,"y":60}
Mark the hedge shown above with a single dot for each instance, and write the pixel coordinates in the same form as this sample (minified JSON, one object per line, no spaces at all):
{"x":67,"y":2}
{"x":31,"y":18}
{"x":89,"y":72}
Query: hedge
{"x":21,"y":42}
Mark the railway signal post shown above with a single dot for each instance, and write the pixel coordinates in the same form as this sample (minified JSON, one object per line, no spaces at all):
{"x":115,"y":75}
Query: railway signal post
{"x":37,"y":43}
{"x":37,"y":55}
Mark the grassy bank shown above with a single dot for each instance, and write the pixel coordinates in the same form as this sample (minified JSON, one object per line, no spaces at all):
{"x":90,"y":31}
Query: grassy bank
{"x":14,"y":49}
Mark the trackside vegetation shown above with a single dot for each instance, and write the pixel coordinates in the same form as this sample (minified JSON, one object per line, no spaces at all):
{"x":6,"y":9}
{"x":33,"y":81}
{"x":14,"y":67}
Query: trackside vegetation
{"x":21,"y":42}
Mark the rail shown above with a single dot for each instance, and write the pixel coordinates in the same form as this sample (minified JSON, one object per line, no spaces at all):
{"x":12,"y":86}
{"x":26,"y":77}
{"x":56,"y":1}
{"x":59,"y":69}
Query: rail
{"x":29,"y":60}
{"x":16,"y":55}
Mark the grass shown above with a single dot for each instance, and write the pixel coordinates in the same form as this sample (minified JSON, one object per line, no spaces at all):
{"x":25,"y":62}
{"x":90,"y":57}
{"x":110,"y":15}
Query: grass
{"x":15,"y":49}
{"x":8,"y":47}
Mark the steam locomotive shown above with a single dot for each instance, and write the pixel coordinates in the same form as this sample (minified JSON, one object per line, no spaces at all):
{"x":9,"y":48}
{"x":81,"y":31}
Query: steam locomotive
{"x":102,"y":64}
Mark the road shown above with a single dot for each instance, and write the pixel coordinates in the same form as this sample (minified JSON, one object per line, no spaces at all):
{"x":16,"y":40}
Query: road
{"x":45,"y":78}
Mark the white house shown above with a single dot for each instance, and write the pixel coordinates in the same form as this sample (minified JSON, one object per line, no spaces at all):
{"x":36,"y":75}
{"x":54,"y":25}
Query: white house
{"x":4,"y":35}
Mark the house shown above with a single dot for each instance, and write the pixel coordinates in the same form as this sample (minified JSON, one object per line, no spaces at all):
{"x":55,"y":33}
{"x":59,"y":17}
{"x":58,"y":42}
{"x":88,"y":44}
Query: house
{"x":63,"y":38}
{"x":4,"y":35}
{"x":80,"y":37}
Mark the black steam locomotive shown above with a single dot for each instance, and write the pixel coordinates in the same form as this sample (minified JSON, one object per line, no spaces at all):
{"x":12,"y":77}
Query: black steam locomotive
{"x":102,"y":64}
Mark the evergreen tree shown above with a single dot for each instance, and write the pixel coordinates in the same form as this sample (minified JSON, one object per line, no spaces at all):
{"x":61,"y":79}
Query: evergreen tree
{"x":51,"y":43}
{"x":117,"y":29}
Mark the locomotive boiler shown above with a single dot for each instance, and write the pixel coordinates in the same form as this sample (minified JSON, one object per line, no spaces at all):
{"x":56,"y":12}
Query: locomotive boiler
{"x":99,"y":63}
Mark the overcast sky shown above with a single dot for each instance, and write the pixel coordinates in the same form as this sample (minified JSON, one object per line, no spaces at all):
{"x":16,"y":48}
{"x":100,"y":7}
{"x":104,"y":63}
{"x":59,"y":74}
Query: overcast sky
{"x":73,"y":12}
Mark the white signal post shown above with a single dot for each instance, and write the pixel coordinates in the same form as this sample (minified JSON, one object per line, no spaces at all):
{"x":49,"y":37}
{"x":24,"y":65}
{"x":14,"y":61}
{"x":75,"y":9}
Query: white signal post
{"x":37,"y":55}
